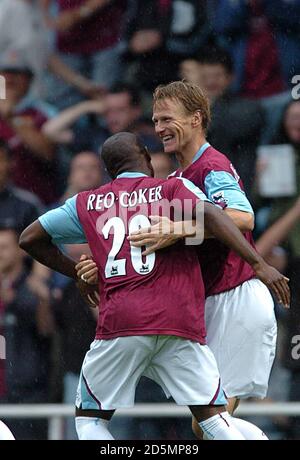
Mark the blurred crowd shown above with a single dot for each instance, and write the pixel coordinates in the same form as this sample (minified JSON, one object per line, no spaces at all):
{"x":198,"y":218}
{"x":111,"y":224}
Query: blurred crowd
{"x":77,"y":71}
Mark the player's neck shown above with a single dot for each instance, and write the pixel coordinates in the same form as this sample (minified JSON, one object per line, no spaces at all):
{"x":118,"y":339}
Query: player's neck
{"x":186,"y":155}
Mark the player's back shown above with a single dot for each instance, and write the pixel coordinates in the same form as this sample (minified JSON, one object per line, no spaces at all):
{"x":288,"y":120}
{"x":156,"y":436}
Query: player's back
{"x":161,"y":293}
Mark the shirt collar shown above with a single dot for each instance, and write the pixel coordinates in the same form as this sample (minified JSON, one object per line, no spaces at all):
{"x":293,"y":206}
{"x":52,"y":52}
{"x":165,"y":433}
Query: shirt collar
{"x":201,"y":151}
{"x":130,"y":175}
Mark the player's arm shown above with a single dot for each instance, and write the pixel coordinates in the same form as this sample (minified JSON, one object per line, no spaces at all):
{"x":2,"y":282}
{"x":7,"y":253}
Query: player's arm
{"x":222,"y":227}
{"x":224,"y":191}
{"x":38,"y":244}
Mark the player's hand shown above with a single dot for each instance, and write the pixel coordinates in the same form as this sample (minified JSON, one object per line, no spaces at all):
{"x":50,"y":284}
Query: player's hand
{"x":275,"y":281}
{"x":89,"y":293}
{"x":87,"y":270}
{"x":162,"y":233}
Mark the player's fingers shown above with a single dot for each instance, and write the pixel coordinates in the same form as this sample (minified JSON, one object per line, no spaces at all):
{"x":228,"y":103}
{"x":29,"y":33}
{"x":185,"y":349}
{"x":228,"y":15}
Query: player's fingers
{"x":284,"y":291}
{"x":287,"y":279}
{"x":144,"y":242}
{"x":91,"y":277}
{"x":150,"y":249}
{"x":277,"y":292}
{"x":287,"y":292}
{"x":83,"y":257}
{"x":155,"y":219}
{"x":96,"y":294}
{"x":85,"y":263}
{"x":138,"y":237}
{"x":83,"y":269}
{"x":140,"y":231}
{"x":92,"y":302}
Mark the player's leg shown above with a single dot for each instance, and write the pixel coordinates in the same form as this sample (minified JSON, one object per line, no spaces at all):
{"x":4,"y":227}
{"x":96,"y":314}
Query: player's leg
{"x":248,"y":430}
{"x":109,"y":376}
{"x":243,"y":323}
{"x":215,"y":423}
{"x":5,"y":433}
{"x":93,"y":424}
{"x":241,"y":332}
{"x":188,"y":372}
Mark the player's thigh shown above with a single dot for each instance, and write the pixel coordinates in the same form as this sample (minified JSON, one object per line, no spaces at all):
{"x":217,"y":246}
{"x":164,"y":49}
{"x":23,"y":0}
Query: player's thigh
{"x":111,"y":371}
{"x":241,"y":332}
{"x":187,"y":371}
{"x":231,"y":317}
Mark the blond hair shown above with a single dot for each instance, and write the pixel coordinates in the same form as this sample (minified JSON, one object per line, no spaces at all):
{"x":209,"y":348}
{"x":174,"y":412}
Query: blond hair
{"x":190,"y":95}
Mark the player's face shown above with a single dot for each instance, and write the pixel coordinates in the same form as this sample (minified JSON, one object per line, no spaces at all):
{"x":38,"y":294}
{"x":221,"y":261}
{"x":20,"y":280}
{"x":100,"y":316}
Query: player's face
{"x":173,"y":125}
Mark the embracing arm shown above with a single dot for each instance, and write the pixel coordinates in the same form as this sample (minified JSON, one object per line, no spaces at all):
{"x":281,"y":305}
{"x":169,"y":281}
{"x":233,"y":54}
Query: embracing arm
{"x":222,"y":227}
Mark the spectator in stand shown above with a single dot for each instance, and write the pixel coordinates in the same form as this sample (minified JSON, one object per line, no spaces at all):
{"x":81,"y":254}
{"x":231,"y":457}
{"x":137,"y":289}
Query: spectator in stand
{"x":27,"y":363}
{"x":16,"y":205}
{"x":21,"y":28}
{"x":269,"y":247}
{"x":85,"y":174}
{"x":289,"y":133}
{"x":114,"y":112}
{"x":88,"y":40}
{"x":34,"y":39}
{"x":264,"y":39}
{"x":160,"y":34}
{"x":236,"y":122}
{"x":21,"y":119}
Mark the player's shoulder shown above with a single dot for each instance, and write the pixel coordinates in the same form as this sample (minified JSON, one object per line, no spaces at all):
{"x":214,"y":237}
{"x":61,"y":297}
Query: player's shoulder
{"x":215,"y":160}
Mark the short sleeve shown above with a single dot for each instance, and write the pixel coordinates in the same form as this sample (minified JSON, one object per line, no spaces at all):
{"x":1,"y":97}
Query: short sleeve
{"x":63,"y":224}
{"x":224,"y":191}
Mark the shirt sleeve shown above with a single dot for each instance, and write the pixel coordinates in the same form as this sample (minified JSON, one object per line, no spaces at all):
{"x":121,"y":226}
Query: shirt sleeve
{"x":63,"y":224}
{"x":224,"y":191}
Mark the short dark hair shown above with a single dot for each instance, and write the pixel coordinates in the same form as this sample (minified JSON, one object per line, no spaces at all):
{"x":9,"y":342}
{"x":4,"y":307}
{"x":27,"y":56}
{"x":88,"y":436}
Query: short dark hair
{"x":215,"y":56}
{"x":118,"y":152}
{"x":135,"y":96}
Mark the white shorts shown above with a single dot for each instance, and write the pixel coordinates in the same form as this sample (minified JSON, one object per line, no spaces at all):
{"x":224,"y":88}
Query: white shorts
{"x":242,"y":332}
{"x":111,"y":370}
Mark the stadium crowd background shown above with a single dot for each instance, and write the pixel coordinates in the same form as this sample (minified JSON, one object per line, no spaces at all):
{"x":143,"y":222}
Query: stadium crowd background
{"x":77,"y":71}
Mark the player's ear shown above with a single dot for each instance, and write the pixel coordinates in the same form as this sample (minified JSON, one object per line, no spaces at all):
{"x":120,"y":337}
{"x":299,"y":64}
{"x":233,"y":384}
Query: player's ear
{"x":197,"y":119}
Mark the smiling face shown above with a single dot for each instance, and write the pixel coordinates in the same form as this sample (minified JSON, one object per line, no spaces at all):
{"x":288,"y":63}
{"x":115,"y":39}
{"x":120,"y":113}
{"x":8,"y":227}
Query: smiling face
{"x":174,"y":126}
